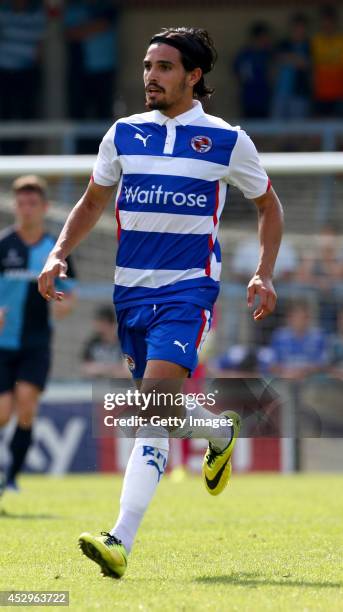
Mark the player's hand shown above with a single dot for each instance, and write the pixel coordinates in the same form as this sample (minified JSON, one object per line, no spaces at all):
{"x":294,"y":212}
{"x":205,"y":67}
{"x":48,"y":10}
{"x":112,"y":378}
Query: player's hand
{"x":55,"y":267}
{"x":264,"y":290}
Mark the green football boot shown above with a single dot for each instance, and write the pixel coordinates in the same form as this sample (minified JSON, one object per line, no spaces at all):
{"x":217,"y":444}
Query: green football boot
{"x":107,"y":551}
{"x":216,"y":467}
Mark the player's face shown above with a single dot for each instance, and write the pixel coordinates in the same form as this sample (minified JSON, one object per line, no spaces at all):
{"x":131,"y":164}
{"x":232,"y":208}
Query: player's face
{"x":30,"y":208}
{"x":166,"y":82}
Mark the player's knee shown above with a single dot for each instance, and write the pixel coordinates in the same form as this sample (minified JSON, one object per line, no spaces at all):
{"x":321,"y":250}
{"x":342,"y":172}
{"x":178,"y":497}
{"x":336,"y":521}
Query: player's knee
{"x":26,"y":412}
{"x":26,"y":403}
{"x":26,"y":416}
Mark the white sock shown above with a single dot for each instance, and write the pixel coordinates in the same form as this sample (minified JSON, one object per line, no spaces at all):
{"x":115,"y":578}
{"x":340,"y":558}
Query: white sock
{"x":219,"y":436}
{"x":143,"y":472}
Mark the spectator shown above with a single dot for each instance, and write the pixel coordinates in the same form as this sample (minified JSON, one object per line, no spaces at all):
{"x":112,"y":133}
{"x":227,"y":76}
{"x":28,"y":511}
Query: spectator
{"x":102,"y":356}
{"x":299,"y":348}
{"x":292,"y":85}
{"x":92,"y":58}
{"x":323,"y":270}
{"x":327,"y":52}
{"x":252,"y":68}
{"x":22,"y":28}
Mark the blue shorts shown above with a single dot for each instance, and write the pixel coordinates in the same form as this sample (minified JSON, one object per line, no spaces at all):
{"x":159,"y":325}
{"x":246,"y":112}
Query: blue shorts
{"x":172,"y":332}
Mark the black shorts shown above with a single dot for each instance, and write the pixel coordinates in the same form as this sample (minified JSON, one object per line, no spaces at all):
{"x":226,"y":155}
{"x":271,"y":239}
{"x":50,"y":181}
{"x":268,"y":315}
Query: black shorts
{"x":29,"y":365}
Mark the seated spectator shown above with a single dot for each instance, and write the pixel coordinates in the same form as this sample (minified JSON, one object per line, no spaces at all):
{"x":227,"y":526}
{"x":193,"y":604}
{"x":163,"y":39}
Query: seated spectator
{"x":323,"y":270}
{"x":299,"y":348}
{"x":102,"y":356}
{"x":22,"y":29}
{"x":252,"y":68}
{"x":293,"y":72}
{"x":327,"y":57}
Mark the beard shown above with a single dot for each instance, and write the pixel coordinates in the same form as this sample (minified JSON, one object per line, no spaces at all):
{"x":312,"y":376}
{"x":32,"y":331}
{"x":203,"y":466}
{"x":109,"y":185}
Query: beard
{"x":157,"y":104}
{"x":165,"y":104}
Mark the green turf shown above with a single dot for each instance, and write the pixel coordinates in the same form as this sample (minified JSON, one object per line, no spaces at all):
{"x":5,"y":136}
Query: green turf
{"x":267,"y":543}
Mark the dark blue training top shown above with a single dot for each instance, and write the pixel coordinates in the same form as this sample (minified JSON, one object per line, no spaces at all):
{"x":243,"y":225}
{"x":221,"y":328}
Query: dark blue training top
{"x":27,"y":320}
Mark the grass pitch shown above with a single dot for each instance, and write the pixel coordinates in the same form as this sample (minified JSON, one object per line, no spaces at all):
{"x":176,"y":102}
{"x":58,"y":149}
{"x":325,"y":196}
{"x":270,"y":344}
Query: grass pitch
{"x":267,"y":543}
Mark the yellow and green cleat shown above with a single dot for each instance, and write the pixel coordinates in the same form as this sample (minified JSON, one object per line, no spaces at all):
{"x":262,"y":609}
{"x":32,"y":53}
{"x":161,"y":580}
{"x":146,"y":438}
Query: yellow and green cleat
{"x":216,"y":467}
{"x":107,"y":551}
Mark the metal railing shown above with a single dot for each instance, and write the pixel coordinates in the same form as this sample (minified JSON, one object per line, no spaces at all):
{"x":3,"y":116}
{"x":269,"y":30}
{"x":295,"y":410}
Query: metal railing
{"x":68,"y":132}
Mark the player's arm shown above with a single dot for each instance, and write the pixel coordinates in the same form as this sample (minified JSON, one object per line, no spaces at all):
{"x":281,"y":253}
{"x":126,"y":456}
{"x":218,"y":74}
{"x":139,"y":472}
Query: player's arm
{"x":270,"y":224}
{"x":246,"y":172}
{"x":79,"y":223}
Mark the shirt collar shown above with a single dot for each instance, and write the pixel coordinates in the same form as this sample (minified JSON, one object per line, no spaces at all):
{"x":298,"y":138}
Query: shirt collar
{"x":184,"y":118}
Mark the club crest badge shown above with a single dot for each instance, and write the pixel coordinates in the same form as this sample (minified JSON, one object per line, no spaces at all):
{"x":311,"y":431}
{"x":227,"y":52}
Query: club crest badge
{"x":201,"y":144}
{"x":130,"y":362}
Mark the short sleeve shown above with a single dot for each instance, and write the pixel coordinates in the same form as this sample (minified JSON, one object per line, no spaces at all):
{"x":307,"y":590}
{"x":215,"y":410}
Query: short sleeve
{"x":245,"y":170}
{"x":107,"y":168}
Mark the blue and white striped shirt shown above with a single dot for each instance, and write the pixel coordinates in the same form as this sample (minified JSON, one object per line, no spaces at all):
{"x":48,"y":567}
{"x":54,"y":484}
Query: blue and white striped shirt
{"x":173,"y":176}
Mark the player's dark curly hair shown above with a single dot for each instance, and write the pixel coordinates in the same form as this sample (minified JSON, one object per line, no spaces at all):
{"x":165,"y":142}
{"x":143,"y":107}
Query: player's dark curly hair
{"x":197,"y":51}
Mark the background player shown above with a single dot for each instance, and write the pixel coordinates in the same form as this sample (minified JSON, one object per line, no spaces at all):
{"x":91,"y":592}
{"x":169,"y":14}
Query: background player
{"x":173,"y":165}
{"x":25,"y":329}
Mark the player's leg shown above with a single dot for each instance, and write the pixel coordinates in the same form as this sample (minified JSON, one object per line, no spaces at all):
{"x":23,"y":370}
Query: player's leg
{"x":8,"y":369}
{"x":32,"y":373}
{"x":6,"y":407}
{"x":152,"y":349}
{"x":149,"y":454}
{"x":7,"y":381}
{"x":26,"y":398}
{"x":174,"y":335}
{"x":144,"y":470}
{"x":177,"y":335}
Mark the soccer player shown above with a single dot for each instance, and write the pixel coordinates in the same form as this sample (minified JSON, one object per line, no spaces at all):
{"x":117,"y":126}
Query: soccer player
{"x":25,"y":330}
{"x":171,"y":167}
